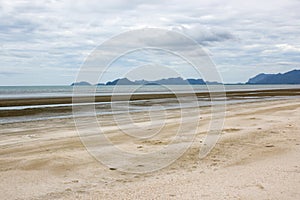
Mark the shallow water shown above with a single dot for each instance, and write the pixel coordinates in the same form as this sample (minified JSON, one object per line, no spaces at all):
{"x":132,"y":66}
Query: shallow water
{"x":12,"y":114}
{"x":67,"y":91}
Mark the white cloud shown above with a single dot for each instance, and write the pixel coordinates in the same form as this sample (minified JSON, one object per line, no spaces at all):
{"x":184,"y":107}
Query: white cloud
{"x":288,"y":47}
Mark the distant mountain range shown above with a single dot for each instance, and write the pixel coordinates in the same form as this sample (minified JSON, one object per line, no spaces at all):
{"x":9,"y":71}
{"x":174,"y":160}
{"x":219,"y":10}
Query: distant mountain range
{"x":82,"y":83}
{"x":168,"y":81}
{"x":291,"y":77}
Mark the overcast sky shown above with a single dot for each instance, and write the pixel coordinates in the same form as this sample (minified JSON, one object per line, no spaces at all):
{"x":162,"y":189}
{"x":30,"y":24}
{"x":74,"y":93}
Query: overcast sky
{"x":45,"y":42}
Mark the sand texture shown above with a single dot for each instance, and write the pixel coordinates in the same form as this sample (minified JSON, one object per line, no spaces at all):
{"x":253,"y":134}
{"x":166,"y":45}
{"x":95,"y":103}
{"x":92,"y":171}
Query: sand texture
{"x":257,"y":157}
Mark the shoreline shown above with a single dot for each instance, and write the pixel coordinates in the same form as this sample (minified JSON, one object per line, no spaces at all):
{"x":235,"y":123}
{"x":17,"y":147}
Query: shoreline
{"x":139,"y":103}
{"x":8,"y":102}
{"x":30,"y":112}
{"x":23,"y":110}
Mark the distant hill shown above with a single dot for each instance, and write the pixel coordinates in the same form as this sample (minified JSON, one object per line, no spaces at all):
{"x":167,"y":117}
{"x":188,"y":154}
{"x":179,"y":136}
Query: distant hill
{"x":82,"y":83}
{"x":122,"y":81}
{"x":291,"y":77}
{"x":168,"y":81}
{"x":171,"y":81}
{"x":196,"y":81}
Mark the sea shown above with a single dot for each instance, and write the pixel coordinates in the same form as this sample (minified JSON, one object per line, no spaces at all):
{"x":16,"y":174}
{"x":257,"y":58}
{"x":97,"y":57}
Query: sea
{"x":24,"y":113}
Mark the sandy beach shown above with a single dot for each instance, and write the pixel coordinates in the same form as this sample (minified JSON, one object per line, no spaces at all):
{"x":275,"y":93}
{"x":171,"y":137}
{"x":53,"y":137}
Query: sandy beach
{"x":154,"y":100}
{"x":257,"y":157}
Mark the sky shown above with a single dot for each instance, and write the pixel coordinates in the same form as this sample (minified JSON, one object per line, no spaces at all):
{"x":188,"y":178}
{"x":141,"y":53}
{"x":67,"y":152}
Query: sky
{"x":46,"y":42}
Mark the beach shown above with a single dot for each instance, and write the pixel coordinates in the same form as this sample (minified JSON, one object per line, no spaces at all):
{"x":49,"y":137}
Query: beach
{"x":257,"y":157}
{"x":158,"y":100}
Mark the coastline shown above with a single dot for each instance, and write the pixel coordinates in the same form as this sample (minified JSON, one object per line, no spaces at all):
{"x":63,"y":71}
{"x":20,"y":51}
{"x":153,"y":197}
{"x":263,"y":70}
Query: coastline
{"x":256,"y":157}
{"x":6,"y":102}
{"x":35,"y":109}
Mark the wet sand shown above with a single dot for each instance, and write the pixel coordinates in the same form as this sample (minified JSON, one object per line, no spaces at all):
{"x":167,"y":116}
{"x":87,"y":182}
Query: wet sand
{"x":65,"y":108}
{"x":257,"y":157}
{"x":68,"y":100}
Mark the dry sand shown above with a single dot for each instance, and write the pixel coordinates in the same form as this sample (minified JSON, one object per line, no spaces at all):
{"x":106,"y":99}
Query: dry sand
{"x":258,"y":157}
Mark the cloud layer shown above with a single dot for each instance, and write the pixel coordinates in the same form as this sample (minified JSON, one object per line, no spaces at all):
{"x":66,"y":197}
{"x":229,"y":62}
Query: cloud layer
{"x":46,"y":41}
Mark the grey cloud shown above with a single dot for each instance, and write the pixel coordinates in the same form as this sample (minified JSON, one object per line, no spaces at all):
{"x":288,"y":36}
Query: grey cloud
{"x":204,"y":35}
{"x":5,"y":73}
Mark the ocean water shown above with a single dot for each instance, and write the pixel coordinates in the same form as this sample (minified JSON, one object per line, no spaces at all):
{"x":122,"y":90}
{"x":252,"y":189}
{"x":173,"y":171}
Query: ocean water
{"x":65,"y":91}
{"x":13,"y":114}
